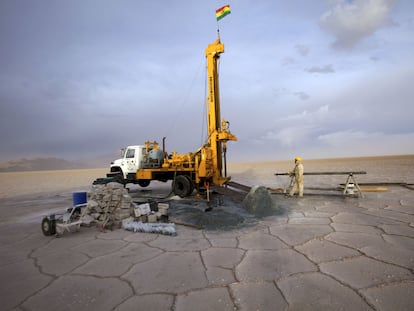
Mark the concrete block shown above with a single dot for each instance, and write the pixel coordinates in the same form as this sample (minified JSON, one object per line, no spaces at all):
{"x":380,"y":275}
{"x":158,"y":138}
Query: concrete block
{"x":145,"y":208}
{"x":163,"y":206}
{"x":92,"y":204}
{"x":163,"y":211}
{"x":113,"y":204}
{"x":152,"y":218}
{"x":114,"y":185}
{"x":121,"y":214}
{"x":125,"y":205}
{"x":137,"y":212}
{"x":126,"y":198}
{"x":143,"y":218}
{"x":116,"y":197}
{"x":119,"y":192}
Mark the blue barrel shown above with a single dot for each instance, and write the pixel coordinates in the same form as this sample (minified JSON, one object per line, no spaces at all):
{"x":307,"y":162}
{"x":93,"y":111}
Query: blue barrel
{"x":79,"y":198}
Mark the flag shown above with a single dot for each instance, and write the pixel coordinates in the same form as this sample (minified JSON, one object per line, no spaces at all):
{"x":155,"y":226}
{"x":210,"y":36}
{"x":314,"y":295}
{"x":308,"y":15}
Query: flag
{"x":223,"y":11}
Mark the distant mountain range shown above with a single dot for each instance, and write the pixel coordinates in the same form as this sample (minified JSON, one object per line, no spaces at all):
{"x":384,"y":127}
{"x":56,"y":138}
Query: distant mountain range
{"x":53,"y":163}
{"x":39,"y":164}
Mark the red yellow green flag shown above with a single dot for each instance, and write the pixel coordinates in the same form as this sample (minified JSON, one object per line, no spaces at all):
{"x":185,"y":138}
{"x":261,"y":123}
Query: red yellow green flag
{"x":223,"y":11}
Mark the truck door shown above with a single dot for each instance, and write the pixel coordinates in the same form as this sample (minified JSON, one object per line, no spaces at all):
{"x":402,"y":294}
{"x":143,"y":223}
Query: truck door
{"x":131,"y":161}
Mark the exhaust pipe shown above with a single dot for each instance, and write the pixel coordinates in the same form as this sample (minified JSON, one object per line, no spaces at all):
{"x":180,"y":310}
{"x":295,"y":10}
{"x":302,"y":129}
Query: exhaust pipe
{"x":163,"y":146}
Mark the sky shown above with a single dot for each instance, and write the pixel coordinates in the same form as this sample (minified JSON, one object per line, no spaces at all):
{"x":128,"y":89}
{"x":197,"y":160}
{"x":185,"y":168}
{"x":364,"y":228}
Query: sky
{"x":316,"y":79}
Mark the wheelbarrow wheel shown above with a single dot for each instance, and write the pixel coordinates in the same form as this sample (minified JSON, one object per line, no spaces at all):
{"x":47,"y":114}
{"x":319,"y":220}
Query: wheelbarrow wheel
{"x":48,"y":226}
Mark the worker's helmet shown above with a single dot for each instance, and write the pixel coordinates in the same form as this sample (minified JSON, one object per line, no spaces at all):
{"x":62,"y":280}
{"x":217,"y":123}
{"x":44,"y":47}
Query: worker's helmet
{"x":298,"y":159}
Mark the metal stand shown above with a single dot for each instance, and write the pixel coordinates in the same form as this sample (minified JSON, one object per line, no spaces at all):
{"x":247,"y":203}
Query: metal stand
{"x":349,"y":186}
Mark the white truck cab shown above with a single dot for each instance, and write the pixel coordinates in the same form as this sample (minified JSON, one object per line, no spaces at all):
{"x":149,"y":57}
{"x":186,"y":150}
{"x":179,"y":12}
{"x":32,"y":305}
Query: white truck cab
{"x":126,"y":167}
{"x":136,"y":157}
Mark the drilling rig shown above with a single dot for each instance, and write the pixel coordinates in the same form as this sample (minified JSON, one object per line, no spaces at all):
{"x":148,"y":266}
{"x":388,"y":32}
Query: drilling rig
{"x":141,"y":164}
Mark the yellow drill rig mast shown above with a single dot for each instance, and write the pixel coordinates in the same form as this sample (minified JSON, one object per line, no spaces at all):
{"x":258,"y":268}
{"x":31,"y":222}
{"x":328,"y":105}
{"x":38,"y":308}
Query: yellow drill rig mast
{"x":218,"y":130}
{"x":191,"y":170}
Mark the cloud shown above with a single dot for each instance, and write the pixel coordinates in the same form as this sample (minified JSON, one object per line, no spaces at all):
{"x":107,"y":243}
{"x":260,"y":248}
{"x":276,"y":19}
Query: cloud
{"x":287,"y":136}
{"x":366,"y":142}
{"x":302,"y":95}
{"x":288,"y":61}
{"x":297,"y":129}
{"x":368,"y":116}
{"x":325,"y":69}
{"x":352,"y":21}
{"x":303,"y":50}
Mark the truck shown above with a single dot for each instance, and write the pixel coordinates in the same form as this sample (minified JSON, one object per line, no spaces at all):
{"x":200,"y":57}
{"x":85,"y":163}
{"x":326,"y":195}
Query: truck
{"x":141,"y":164}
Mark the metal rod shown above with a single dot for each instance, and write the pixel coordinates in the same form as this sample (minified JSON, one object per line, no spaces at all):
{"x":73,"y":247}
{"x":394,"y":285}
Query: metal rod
{"x":326,"y":173}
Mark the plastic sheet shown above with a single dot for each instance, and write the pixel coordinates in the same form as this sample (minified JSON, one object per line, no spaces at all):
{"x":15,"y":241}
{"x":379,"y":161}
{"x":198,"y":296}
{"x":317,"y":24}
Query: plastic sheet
{"x":138,"y":226}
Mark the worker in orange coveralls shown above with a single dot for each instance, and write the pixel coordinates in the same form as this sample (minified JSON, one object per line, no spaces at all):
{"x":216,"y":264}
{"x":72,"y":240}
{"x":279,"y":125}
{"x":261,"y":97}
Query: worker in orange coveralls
{"x":298,"y":173}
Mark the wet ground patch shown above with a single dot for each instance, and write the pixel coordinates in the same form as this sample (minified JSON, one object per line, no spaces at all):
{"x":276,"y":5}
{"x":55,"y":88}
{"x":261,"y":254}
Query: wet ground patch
{"x":221,"y":213}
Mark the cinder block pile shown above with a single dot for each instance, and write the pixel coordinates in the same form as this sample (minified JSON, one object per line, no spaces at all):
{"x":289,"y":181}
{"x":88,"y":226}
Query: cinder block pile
{"x":109,"y":204}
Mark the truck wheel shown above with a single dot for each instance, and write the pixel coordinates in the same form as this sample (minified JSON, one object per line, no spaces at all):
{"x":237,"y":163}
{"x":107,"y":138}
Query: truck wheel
{"x":144,"y":183}
{"x":191,"y":188}
{"x":48,"y":226}
{"x":181,"y":186}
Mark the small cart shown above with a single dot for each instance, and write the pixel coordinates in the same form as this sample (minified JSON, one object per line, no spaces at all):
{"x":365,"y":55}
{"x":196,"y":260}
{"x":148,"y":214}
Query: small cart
{"x":57,"y":224}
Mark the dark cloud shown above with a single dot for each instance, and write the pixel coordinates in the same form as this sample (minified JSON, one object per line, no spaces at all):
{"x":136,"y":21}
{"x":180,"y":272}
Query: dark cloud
{"x":302,"y":95}
{"x":325,"y":69}
{"x":288,"y":61}
{"x":302,"y":49}
{"x":81,"y":79}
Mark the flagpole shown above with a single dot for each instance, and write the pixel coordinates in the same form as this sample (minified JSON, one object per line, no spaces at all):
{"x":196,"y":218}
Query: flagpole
{"x":218,"y":31}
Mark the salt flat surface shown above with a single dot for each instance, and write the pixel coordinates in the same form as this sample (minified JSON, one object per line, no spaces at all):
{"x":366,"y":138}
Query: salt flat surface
{"x":321,"y":253}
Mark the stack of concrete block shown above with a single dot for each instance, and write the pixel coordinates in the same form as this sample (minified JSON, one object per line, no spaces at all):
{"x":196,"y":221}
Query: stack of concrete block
{"x":108,"y":203}
{"x":144,"y":213}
